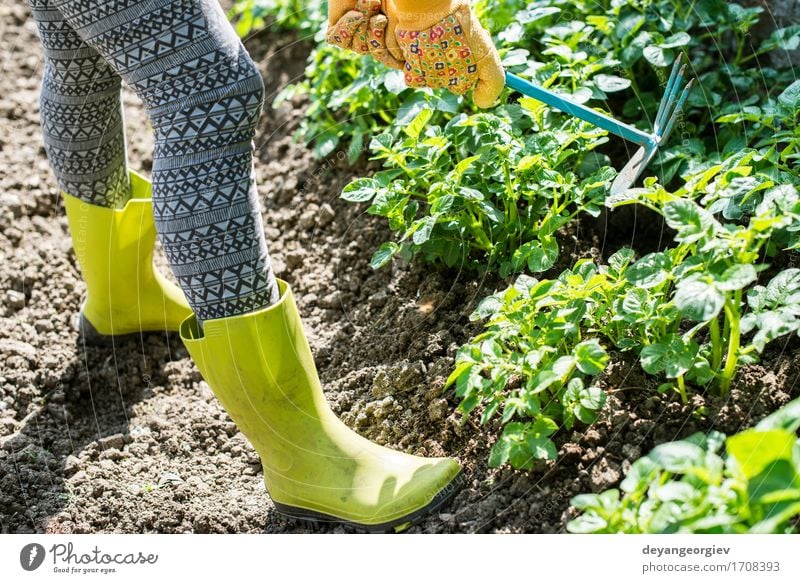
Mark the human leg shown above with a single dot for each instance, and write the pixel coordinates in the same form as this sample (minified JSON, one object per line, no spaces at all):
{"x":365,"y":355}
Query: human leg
{"x":203,"y":95}
{"x":110,"y":210}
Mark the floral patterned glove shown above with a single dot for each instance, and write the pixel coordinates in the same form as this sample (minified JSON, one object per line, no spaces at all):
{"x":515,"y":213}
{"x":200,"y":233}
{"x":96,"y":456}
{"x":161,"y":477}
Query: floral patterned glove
{"x":363,"y":27}
{"x":444,"y":45}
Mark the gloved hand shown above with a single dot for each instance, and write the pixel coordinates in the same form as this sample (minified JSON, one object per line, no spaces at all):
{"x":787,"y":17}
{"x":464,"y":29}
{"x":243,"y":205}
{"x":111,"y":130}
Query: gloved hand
{"x":444,"y":45}
{"x":361,"y":26}
{"x":337,"y":9}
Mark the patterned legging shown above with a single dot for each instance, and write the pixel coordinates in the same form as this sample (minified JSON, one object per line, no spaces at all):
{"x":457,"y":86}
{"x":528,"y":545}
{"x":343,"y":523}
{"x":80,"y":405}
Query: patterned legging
{"x":203,"y":95}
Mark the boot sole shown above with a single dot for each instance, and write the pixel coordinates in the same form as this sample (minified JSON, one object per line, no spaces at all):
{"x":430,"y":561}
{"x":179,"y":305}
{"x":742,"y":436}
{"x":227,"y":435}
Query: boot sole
{"x":394,"y":526}
{"x":89,"y":335}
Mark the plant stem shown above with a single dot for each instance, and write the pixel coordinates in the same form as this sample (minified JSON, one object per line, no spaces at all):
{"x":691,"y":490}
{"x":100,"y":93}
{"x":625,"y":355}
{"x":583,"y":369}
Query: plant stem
{"x":739,"y":52}
{"x":726,"y":330}
{"x":511,"y":200}
{"x":732,"y":316}
{"x":682,"y":390}
{"x":716,"y":345}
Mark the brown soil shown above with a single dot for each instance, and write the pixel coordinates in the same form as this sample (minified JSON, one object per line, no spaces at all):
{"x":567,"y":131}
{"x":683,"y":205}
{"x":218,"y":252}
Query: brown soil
{"x":131,"y":439}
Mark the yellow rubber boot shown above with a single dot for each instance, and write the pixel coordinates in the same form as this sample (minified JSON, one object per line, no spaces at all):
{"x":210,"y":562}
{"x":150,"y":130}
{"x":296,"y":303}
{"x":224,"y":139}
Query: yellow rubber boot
{"x":260,"y":367}
{"x":125,"y":292}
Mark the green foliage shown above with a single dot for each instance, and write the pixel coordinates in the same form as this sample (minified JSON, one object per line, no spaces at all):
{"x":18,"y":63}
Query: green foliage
{"x":251,"y":16}
{"x":617,"y":52}
{"x":533,"y":364}
{"x":483,"y":192}
{"x":681,"y":310}
{"x":746,"y":483}
{"x":703,"y":280}
{"x":352,"y":98}
{"x":699,"y":309}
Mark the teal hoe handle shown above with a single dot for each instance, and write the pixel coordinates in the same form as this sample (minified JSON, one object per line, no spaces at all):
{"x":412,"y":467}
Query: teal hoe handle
{"x":573,"y":108}
{"x":668,"y":112}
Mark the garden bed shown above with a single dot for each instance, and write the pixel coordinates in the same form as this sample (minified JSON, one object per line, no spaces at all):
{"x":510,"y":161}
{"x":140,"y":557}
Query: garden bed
{"x":132,"y":440}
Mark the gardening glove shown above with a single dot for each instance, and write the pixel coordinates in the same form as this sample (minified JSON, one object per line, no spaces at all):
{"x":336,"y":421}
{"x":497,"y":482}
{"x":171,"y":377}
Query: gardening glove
{"x":363,"y":27}
{"x":337,"y":9}
{"x":444,"y":45}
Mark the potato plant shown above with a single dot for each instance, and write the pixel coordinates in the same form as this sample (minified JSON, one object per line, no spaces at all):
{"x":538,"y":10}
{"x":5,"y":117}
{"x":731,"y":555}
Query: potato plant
{"x":706,"y":282}
{"x":693,"y":313}
{"x":534,"y":363}
{"x":707,"y":483}
{"x":485,"y":192}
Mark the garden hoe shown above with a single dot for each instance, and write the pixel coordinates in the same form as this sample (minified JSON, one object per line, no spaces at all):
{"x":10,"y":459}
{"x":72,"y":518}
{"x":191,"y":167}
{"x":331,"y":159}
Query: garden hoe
{"x":668,"y":112}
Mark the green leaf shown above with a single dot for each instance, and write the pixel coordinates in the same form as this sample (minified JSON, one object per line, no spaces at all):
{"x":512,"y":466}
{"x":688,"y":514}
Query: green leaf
{"x":540,"y":448}
{"x":520,"y":446}
{"x":573,"y":392}
{"x":325,"y":144}
{"x":492,"y":212}
{"x":356,"y":147}
{"x":491,"y":348}
{"x":488,"y":306}
{"x":423,"y":233}
{"x":395,"y":82}
{"x":674,"y":355}
{"x":653,"y":357}
{"x":699,"y":299}
{"x":771,"y":325}
{"x":680,"y":39}
{"x":563,"y":366}
{"x":786,"y":39}
{"x":790,"y":98}
{"x":787,"y":417}
{"x":642,"y":472}
{"x":461,"y":368}
{"x":657,"y":56}
{"x":543,"y":380}
{"x":543,"y":256}
{"x":621,"y":259}
{"x":543,"y":426}
{"x":414,"y":129}
{"x":784,"y":289}
{"x":591,"y":357}
{"x":586,"y":501}
{"x":381,"y":142}
{"x":753,"y":450}
{"x":593,"y":398}
{"x":490,"y":411}
{"x":780,"y":515}
{"x":678,"y":457}
{"x":611,"y":83}
{"x":471,"y":194}
{"x":737,"y":277}
{"x":649,"y":271}
{"x":777,"y":482}
{"x":384,"y":255}
{"x":674,"y":492}
{"x":587,"y":524}
{"x":443,"y":204}
{"x":535,"y":13}
{"x":466,"y":164}
{"x":499,"y":453}
{"x":360,"y":190}
{"x":690,"y":220}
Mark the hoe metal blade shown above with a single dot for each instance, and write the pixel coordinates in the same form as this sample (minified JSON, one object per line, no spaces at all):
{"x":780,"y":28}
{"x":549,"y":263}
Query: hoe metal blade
{"x":669,"y":111}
